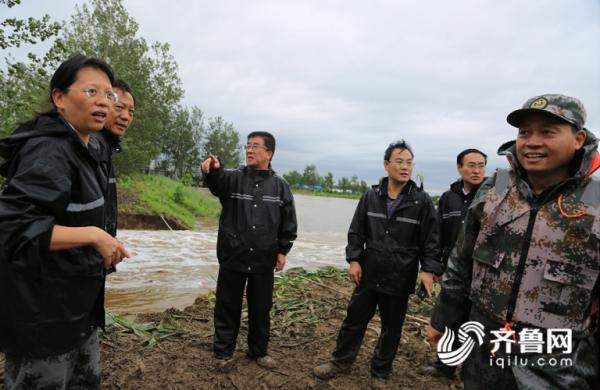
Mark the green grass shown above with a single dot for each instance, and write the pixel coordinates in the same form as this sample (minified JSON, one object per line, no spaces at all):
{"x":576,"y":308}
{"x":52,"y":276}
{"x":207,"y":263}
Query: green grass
{"x":160,"y":195}
{"x":150,"y":332}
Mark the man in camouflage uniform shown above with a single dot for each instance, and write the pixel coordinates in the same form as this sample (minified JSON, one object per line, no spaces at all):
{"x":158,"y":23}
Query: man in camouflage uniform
{"x":528,"y":256}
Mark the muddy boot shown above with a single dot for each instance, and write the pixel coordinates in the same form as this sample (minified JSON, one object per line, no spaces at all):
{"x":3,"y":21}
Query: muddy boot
{"x":329,"y":370}
{"x":439,"y":370}
{"x":266,"y":362}
{"x":380,"y":383}
{"x":223,"y":364}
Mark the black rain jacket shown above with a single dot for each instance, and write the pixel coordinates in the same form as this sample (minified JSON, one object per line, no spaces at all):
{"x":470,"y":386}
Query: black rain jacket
{"x":452,"y":210}
{"x":390,"y":247}
{"x":258,"y":219}
{"x":105,"y":145}
{"x":50,"y":302}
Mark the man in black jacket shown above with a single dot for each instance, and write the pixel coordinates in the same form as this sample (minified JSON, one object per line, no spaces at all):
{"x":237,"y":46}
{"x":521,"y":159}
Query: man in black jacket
{"x":455,"y":202}
{"x":452,"y":210}
{"x":394,"y":229}
{"x":107,"y":142}
{"x":256,"y":231}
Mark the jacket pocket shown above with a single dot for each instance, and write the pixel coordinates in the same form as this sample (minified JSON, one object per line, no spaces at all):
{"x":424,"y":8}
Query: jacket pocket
{"x":574,"y":286}
{"x":487,"y":276}
{"x":229,"y":244}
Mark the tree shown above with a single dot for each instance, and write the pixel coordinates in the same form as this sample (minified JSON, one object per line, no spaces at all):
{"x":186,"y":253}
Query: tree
{"x":223,"y":140}
{"x":294,"y":178}
{"x":105,"y":29}
{"x":344,"y":184}
{"x":311,"y":177}
{"x":181,"y":147}
{"x":364,"y":187}
{"x":328,"y":181}
{"x":354,"y":184}
{"x":24,"y":86}
{"x":15,"y":32}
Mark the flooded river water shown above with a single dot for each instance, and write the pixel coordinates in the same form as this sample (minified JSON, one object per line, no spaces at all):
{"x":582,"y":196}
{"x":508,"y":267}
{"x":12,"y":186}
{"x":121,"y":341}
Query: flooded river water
{"x":170,"y":269}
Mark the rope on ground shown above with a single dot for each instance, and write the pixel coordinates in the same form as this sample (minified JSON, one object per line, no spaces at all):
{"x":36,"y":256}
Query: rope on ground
{"x":165,"y":221}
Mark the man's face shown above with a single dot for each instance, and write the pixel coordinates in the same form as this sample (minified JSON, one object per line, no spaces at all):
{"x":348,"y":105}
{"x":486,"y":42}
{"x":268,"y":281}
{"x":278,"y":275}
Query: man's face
{"x":400,"y":165}
{"x":121,"y":114}
{"x":472,"y":170}
{"x":546,"y":145}
{"x":257,"y":155}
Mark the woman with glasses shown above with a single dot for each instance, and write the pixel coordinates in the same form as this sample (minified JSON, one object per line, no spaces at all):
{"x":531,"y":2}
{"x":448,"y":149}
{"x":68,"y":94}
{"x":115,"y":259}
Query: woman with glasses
{"x":53,"y":250}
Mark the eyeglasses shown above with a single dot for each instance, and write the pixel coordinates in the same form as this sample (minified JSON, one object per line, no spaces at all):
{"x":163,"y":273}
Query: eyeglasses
{"x":473,"y":166}
{"x":93,"y":92}
{"x":254,"y":147}
{"x":408,"y":163}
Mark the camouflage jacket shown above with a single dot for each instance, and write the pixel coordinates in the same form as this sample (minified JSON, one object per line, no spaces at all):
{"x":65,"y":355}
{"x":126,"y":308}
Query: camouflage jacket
{"x":524,"y":259}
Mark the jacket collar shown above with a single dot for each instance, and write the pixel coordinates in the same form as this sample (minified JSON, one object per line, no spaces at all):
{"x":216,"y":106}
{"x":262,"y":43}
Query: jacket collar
{"x":256,"y":172}
{"x":457,"y":187}
{"x":113,"y":140}
{"x":382,"y":188}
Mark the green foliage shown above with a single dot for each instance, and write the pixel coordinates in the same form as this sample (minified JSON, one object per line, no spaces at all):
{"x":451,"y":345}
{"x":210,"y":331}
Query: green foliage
{"x":24,"y":92}
{"x":223,"y":140}
{"x":294,"y":178}
{"x":181,"y":142}
{"x":24,"y":86}
{"x":310,"y":176}
{"x":161,"y":127}
{"x":150,"y":332}
{"x":15,"y":32}
{"x":105,"y":29}
{"x":167,"y":197}
{"x":345,"y":188}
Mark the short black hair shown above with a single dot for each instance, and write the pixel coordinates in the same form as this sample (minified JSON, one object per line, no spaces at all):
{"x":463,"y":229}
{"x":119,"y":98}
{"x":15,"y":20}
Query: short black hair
{"x":267,"y":138}
{"x":123,"y":86}
{"x":66,"y":73}
{"x":461,"y":155}
{"x":401,"y":144}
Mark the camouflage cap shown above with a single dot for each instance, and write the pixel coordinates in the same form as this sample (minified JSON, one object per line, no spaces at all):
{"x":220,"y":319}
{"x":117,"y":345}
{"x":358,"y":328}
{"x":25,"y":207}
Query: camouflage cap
{"x":567,"y":108}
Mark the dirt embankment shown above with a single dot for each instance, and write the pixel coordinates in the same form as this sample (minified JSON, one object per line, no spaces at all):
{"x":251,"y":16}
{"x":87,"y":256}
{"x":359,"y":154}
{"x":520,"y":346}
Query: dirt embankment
{"x":306,"y":317}
{"x":138,"y":221}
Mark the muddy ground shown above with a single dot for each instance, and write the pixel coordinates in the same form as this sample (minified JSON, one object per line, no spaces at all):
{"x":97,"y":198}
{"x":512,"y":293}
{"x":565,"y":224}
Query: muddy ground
{"x":307,"y":314}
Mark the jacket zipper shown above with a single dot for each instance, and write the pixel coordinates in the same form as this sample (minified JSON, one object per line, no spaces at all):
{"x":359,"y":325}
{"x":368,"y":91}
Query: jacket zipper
{"x":521,"y":266}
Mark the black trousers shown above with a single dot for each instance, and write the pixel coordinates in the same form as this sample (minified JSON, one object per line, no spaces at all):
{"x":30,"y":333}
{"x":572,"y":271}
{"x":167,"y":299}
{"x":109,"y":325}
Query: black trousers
{"x":364,"y":302}
{"x":228,"y":311}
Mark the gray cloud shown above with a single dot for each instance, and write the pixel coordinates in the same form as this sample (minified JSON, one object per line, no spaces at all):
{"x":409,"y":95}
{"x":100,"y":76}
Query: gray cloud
{"x":336,"y":81}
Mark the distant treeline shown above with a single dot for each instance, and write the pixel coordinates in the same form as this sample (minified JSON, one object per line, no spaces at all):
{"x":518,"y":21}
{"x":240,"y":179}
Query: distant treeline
{"x":310,"y":179}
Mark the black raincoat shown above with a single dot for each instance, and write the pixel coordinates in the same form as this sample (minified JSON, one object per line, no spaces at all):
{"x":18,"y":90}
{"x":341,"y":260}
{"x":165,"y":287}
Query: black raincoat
{"x":258,"y":220}
{"x":452,"y":211}
{"x":105,"y":145}
{"x":50,"y":302}
{"x":390,"y":247}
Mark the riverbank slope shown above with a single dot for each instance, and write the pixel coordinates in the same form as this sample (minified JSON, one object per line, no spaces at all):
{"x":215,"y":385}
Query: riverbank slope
{"x":159,"y":203}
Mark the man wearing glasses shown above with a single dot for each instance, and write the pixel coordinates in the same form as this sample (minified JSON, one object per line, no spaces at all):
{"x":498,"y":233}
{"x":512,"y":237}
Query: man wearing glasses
{"x":256,"y":231}
{"x":452,"y":210}
{"x":107,"y":142}
{"x":393,"y":230}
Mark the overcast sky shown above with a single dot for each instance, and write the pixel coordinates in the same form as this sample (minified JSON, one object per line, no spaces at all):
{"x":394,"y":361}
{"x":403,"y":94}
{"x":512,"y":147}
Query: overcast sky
{"x":337,"y":81}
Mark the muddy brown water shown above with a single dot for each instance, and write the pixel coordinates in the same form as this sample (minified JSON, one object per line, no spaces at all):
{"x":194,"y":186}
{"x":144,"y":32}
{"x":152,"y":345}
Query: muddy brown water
{"x":171,"y":268}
